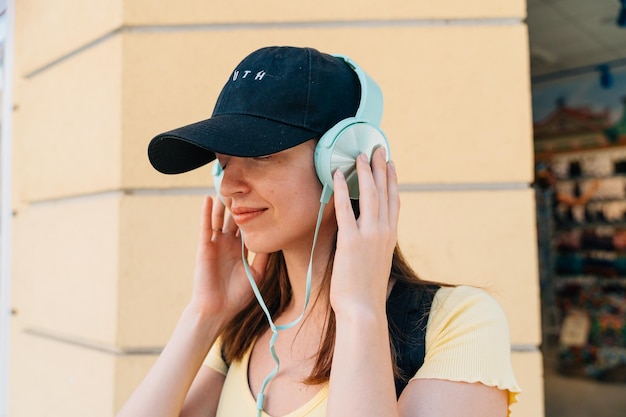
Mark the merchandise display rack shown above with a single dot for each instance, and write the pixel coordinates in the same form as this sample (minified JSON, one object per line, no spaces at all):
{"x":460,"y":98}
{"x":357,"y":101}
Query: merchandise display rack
{"x":589,"y":263}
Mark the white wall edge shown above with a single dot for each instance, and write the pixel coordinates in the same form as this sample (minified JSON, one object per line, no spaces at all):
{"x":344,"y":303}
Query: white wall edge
{"x":6,"y":209}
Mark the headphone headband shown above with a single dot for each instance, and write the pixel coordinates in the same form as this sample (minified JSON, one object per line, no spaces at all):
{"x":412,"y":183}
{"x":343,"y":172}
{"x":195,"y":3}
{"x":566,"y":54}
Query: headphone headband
{"x":371,"y":103}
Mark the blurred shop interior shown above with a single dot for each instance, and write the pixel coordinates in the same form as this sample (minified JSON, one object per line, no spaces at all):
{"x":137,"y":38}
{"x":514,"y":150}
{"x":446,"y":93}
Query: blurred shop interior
{"x":578,"y":74}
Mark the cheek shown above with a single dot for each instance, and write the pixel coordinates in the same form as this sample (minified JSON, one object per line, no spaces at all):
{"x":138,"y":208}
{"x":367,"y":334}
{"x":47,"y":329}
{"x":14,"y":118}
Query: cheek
{"x":300,"y":200}
{"x":304,"y":187}
{"x":312,"y":184}
{"x":308,"y":193}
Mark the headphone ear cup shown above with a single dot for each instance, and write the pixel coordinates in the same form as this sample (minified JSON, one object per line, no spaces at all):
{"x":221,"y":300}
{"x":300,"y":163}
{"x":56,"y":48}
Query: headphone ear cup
{"x":339,"y":148}
{"x":218,"y":174}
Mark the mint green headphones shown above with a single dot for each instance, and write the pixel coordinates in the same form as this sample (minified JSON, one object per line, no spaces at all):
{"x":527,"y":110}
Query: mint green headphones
{"x":339,"y":147}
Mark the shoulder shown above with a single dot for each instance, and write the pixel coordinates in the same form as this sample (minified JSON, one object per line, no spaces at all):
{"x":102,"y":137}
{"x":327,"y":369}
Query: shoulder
{"x":463,"y":293}
{"x":467,"y":322}
{"x":465,"y":304}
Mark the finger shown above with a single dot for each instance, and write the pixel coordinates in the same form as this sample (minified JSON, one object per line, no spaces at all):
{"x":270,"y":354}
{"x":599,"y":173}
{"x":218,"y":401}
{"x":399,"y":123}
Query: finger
{"x":205,"y":221}
{"x":368,"y":203}
{"x":343,"y":207}
{"x":393,"y":195}
{"x":379,"y":172}
{"x":379,"y":167}
{"x":217,"y":218}
{"x":228,"y":225}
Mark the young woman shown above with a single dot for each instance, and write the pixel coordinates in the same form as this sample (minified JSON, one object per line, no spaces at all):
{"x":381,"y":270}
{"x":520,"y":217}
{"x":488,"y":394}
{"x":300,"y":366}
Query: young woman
{"x":328,"y":279}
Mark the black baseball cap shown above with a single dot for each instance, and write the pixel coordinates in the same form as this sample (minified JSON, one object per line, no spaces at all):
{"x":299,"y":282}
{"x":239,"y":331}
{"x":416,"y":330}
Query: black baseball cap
{"x":275,"y":99}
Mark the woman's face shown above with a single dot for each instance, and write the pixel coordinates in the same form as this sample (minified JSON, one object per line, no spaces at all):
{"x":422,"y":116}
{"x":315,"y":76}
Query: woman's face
{"x":275,"y":199}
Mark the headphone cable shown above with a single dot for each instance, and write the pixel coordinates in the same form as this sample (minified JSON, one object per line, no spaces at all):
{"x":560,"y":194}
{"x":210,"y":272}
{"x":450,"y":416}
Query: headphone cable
{"x":260,"y":401}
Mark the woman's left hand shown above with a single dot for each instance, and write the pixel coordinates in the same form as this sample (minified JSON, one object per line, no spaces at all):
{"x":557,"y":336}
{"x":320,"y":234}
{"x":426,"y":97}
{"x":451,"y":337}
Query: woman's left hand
{"x":365,"y":245}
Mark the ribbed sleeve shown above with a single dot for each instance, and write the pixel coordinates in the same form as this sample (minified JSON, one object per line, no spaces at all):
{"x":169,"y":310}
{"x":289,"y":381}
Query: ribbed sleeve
{"x":467,"y":340}
{"x":214,"y":358}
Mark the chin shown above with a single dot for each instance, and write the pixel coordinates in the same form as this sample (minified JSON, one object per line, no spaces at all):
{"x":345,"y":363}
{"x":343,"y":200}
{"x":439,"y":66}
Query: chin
{"x":259,"y":243}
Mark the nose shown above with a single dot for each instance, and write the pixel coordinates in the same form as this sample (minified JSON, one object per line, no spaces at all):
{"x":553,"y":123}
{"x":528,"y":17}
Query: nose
{"x":233,"y":177}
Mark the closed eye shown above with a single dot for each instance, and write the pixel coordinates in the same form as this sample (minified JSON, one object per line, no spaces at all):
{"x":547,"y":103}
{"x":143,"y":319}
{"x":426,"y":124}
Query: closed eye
{"x":263,"y":158}
{"x":222,"y":160}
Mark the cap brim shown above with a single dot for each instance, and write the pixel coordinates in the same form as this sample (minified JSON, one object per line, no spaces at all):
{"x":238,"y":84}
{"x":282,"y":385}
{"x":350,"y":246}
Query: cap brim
{"x":189,"y":147}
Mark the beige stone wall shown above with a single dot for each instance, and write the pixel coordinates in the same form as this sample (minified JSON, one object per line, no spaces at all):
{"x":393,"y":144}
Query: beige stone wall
{"x":103,"y":245}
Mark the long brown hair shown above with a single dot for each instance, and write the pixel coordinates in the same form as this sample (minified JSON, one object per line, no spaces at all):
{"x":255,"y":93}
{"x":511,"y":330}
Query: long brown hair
{"x":250,"y":323}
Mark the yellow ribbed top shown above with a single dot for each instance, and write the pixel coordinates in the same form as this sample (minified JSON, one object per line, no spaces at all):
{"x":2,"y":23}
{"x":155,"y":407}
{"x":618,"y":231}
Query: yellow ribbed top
{"x":467,"y":340}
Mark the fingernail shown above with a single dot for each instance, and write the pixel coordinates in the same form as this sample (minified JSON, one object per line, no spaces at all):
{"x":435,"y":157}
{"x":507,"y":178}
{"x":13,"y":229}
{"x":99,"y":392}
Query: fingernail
{"x":383,"y":152}
{"x":363,"y":158}
{"x":392,"y":166}
{"x":339,"y":174}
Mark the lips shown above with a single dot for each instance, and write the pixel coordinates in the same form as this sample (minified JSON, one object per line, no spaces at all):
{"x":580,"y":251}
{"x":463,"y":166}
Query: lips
{"x":242,"y":215}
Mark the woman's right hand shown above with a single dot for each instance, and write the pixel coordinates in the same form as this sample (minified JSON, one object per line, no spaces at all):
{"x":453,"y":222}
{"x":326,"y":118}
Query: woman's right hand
{"x":221,"y":286}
